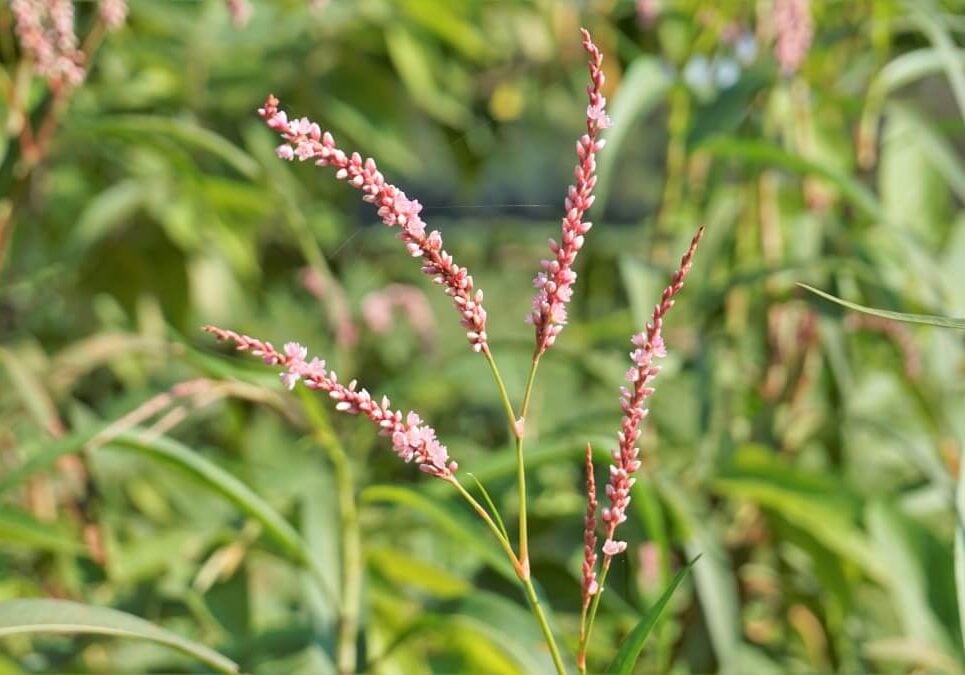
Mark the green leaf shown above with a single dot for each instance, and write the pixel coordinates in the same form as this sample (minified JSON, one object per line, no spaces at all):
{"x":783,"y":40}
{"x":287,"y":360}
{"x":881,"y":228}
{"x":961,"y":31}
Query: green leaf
{"x":141,"y":128}
{"x":185,"y":459}
{"x":41,"y":615}
{"x":927,"y":319}
{"x":406,"y":570}
{"x":632,"y":645}
{"x":217,"y":479}
{"x":818,"y":505}
{"x":960,"y":548}
{"x":445,"y":518}
{"x":19,"y":528}
{"x":642,"y":88}
{"x":492,"y":507}
{"x":766,"y":153}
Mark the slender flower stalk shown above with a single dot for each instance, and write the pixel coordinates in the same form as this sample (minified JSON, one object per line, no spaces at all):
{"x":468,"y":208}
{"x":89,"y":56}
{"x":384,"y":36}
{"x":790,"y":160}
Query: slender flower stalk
{"x":304,"y":139}
{"x":590,"y":586}
{"x":555,"y":282}
{"x":649,"y":346}
{"x":411,"y":439}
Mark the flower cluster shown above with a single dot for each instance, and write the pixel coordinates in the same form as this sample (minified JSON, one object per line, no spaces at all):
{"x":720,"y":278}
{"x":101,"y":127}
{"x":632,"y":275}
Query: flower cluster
{"x":649,"y":346}
{"x":240,"y":12}
{"x":45,"y":31}
{"x":556,"y":280}
{"x":412,"y":440}
{"x":794,"y":31}
{"x":304,"y":139}
{"x":113,"y":13}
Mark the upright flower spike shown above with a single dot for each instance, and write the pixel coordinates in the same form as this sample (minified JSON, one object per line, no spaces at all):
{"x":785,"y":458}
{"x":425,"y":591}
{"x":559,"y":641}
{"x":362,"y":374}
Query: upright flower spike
{"x":412,"y":440}
{"x":590,"y":586}
{"x":555,"y":282}
{"x":304,"y":139}
{"x":649,"y":346}
{"x":794,"y":31}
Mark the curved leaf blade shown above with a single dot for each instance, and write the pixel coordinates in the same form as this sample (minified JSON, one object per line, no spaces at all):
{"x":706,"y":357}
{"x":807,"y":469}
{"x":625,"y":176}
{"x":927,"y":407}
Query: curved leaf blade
{"x":630,"y":650}
{"x":926,"y":319}
{"x":43,"y":615}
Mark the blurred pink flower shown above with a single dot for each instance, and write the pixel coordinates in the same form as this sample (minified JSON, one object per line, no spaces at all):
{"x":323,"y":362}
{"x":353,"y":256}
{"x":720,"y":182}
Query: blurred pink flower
{"x":240,"y":12}
{"x":45,"y":32}
{"x":113,"y":13}
{"x":794,"y":30}
{"x":379,"y":306}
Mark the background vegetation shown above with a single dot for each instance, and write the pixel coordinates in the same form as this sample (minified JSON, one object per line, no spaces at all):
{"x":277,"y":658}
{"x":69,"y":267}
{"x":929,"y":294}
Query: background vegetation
{"x":809,"y":455}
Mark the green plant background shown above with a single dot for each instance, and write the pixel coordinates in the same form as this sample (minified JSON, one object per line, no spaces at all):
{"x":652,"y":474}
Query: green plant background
{"x":811,"y":459}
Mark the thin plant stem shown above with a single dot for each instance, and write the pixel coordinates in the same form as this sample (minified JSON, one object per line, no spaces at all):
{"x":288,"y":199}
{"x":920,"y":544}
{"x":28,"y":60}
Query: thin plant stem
{"x":503,"y":394}
{"x":521,"y":467}
{"x":484,"y":514}
{"x":544,"y":625}
{"x":351,"y":546}
{"x":346,"y":650}
{"x":594,"y":606}
{"x":525,"y":579}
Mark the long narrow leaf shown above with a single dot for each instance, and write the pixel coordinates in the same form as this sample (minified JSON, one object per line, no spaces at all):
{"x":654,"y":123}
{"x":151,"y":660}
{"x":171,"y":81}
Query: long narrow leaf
{"x":632,"y":645}
{"x":927,"y":319}
{"x":41,"y":615}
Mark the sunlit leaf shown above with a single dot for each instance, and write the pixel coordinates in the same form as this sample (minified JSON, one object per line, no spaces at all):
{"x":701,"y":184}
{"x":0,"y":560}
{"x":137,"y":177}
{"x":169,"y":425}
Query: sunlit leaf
{"x":632,"y":645}
{"x":39,"y":616}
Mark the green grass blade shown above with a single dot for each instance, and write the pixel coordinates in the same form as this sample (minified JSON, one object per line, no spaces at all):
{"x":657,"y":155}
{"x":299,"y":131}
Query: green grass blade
{"x":217,"y":479}
{"x":630,"y":650}
{"x":42,"y":615}
{"x":926,"y":319}
{"x":20,"y":529}
{"x":448,"y":521}
{"x":491,"y":505}
{"x":960,"y":547}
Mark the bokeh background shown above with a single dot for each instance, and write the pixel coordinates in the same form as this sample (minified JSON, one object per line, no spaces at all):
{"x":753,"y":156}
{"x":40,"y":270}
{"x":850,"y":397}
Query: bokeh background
{"x":810,"y":455}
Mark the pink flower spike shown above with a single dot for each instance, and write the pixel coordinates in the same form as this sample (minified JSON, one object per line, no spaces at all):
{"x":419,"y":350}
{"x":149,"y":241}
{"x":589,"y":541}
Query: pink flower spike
{"x":412,"y":440}
{"x":305,"y":140}
{"x":649,"y":346}
{"x":554,"y":283}
{"x":590,"y":585}
{"x":794,"y":31}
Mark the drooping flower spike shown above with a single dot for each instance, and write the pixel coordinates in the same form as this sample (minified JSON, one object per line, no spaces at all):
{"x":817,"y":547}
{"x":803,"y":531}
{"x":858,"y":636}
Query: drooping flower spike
{"x":555,"y":282}
{"x":649,"y":346}
{"x":412,"y":440}
{"x":304,"y":139}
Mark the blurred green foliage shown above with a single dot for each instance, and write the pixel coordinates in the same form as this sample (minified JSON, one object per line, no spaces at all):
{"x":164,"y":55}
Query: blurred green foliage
{"x":811,"y":458}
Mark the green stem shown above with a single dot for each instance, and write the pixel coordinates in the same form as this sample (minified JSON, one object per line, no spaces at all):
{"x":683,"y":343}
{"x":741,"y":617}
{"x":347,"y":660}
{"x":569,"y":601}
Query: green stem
{"x":524,"y":578}
{"x":350,"y":608}
{"x":521,"y":467}
{"x":594,"y":606}
{"x":544,"y":625}
{"x":484,"y":514}
{"x":503,"y":394}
